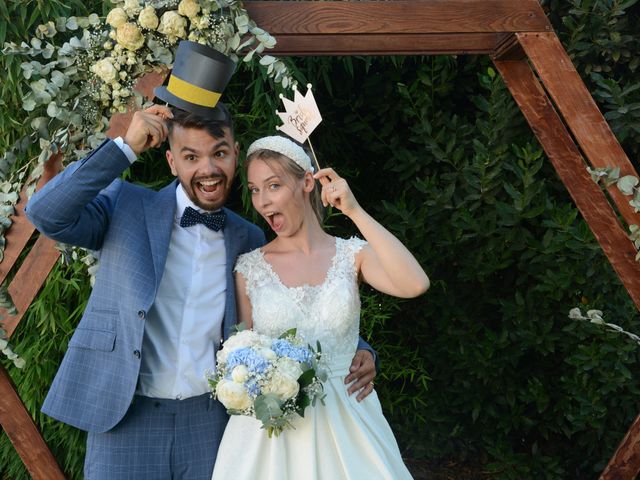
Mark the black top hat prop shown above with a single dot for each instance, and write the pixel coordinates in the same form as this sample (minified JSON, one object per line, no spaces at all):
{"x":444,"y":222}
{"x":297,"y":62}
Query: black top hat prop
{"x":197,"y":80}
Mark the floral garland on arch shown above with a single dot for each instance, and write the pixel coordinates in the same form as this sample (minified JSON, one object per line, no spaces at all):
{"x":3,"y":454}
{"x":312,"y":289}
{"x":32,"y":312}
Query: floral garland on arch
{"x":79,"y":71}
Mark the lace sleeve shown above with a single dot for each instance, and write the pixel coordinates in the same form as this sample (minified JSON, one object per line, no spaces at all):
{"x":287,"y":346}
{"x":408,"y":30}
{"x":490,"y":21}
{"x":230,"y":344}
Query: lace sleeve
{"x":355,"y":244}
{"x":243,"y":265}
{"x":250,"y":266}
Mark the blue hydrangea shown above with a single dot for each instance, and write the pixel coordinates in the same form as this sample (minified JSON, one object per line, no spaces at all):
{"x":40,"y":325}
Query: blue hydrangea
{"x":253,"y":388}
{"x":284,"y":348}
{"x":248,"y":357}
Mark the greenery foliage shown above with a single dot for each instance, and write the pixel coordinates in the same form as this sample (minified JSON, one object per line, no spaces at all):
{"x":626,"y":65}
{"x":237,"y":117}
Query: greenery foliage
{"x":487,"y":367}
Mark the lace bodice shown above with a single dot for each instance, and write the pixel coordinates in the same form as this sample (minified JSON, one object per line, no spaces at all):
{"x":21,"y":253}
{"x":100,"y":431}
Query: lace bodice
{"x":329,"y":312}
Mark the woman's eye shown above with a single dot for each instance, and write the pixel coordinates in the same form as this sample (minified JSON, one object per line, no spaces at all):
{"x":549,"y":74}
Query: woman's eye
{"x":253,"y":190}
{"x":274,"y":186}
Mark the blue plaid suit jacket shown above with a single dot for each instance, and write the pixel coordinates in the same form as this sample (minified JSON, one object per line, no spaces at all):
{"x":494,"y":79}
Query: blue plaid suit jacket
{"x":88,"y":206}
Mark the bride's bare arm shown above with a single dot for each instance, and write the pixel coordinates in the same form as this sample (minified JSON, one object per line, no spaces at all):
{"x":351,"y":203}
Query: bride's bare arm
{"x":385,"y":263}
{"x":243,"y":304}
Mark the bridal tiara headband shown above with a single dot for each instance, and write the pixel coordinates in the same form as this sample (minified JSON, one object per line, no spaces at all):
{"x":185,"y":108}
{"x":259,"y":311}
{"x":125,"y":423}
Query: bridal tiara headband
{"x":285,"y":147}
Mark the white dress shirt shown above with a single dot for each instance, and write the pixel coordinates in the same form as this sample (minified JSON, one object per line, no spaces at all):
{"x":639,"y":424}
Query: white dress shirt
{"x":185,"y":322}
{"x":184,"y":325}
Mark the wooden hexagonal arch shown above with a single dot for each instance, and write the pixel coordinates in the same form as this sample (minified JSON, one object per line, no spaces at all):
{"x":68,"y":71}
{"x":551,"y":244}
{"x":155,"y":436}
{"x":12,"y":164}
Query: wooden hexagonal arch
{"x":536,"y":69}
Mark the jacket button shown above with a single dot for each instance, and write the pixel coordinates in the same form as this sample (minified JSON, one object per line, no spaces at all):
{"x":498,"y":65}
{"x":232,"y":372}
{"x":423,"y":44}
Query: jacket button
{"x":142,"y":314}
{"x":136,"y":353}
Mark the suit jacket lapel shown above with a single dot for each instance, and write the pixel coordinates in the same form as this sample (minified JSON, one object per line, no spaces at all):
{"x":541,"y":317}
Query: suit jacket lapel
{"x":235,"y":241}
{"x":160,"y":210}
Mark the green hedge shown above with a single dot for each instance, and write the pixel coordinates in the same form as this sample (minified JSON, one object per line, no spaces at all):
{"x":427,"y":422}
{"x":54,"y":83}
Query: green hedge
{"x":486,"y":367}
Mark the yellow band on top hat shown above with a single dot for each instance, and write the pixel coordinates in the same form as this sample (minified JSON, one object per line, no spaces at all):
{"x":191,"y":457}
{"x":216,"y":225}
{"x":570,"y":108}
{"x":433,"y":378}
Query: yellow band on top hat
{"x":192,"y":93}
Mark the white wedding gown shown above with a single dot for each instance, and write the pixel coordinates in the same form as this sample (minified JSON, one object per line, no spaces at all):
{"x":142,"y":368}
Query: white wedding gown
{"x":342,"y":439}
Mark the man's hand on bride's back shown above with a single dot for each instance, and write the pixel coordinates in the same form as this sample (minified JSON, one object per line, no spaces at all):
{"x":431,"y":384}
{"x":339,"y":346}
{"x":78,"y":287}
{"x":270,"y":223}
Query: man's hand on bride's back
{"x":363,"y":371}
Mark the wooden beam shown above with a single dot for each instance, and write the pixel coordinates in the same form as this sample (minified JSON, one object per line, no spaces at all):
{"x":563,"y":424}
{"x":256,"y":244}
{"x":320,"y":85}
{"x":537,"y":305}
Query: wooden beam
{"x":579,"y":110}
{"x":21,"y":229}
{"x":119,"y":122}
{"x":27,"y":283}
{"x":24,"y":435}
{"x":41,"y":259}
{"x":625,"y":463}
{"x":374,"y":44}
{"x":571,"y":168}
{"x":397,"y":17}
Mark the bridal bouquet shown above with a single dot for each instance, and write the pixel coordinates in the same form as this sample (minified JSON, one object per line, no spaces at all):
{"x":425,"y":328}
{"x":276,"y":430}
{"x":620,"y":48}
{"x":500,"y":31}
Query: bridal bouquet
{"x":270,"y":379}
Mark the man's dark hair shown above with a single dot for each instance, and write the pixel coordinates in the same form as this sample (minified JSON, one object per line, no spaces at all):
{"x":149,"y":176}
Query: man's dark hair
{"x":190,"y":120}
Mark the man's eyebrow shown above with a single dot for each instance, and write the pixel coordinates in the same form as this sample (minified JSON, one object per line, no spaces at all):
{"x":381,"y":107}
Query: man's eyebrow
{"x":217,"y":146}
{"x":221,"y":144}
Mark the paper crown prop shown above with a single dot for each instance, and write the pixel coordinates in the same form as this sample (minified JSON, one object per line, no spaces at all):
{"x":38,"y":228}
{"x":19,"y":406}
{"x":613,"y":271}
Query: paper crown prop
{"x":301,"y":116}
{"x":199,"y":76}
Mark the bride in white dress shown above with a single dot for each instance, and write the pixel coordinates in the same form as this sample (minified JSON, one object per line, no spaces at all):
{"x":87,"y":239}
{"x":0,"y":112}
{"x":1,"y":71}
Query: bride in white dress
{"x":308,"y":279}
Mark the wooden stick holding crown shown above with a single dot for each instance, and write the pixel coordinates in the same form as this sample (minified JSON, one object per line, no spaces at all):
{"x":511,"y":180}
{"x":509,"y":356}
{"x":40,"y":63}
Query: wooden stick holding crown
{"x":300,"y":118}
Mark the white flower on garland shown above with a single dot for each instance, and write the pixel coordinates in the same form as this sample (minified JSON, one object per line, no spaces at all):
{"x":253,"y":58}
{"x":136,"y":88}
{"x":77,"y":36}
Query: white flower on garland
{"x":129,"y":36}
{"x":105,"y":70}
{"x":117,"y":17}
{"x":148,"y":18}
{"x":189,"y":8}
{"x":132,"y":7}
{"x":173,"y":25}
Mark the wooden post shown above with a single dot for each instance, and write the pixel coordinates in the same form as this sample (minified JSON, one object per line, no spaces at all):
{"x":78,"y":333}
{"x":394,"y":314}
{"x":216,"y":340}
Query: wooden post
{"x":24,"y":434}
{"x":572,"y":170}
{"x":14,"y":417}
{"x":625,"y":463}
{"x":579,"y":110}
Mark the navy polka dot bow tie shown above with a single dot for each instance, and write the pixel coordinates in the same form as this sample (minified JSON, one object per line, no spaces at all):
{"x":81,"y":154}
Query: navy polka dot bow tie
{"x":215,"y":221}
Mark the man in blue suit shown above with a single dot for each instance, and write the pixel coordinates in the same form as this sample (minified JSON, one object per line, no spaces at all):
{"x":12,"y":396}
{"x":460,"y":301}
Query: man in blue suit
{"x":163,"y":300}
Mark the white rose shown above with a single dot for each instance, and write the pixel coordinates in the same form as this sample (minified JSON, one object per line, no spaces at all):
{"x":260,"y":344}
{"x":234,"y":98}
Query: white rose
{"x":289,"y":367}
{"x":132,"y":6}
{"x":233,"y":395}
{"x":267,"y":353}
{"x":148,"y":18}
{"x":283,"y":386}
{"x":188,"y":8}
{"x":173,"y":25}
{"x":240,"y":373}
{"x":117,"y":17}
{"x":130,"y":37}
{"x":104,"y":70}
